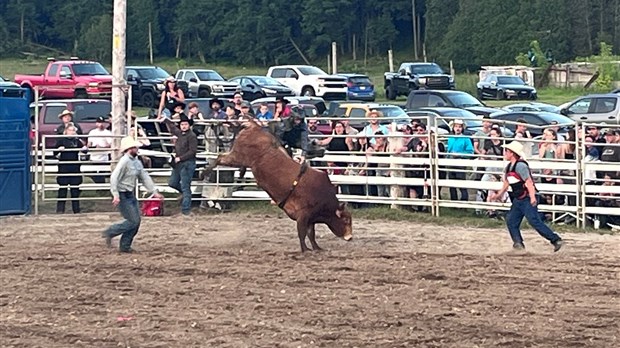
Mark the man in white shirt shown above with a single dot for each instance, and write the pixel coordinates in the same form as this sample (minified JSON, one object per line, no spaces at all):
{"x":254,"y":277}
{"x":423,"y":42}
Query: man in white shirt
{"x":100,"y":138}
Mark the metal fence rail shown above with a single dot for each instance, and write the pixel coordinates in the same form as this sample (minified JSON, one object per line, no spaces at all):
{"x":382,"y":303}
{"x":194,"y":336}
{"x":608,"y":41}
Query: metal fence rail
{"x":395,"y":172}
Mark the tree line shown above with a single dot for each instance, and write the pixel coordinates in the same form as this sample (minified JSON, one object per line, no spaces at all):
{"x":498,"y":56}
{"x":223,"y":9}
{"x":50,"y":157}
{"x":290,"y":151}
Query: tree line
{"x":263,"y":32}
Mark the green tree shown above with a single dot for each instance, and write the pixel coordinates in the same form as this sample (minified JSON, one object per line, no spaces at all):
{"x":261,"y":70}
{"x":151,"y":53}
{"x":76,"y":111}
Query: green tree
{"x":97,"y":39}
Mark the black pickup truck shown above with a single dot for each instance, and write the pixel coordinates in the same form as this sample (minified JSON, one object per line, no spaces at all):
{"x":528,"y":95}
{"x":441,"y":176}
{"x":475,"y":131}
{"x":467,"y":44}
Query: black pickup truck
{"x":147,"y":84}
{"x":414,"y":76}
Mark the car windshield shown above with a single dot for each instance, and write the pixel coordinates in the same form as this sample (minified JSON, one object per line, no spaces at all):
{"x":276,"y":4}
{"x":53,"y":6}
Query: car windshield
{"x":510,"y":80}
{"x":462,"y":100}
{"x":89,"y":69}
{"x":311,"y":70}
{"x":2,"y":79}
{"x":153,"y":73}
{"x":266,"y":81}
{"x":426,"y":69}
{"x":209,"y":76}
{"x":549,"y":108}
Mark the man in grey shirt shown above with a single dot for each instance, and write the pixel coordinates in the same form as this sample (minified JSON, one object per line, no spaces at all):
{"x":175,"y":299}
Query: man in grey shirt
{"x":122,"y":185}
{"x":524,"y":198}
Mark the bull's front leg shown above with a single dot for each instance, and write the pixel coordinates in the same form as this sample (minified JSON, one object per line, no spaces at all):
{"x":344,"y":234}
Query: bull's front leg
{"x":312,"y":237}
{"x":302,"y":230}
{"x":226,"y":159}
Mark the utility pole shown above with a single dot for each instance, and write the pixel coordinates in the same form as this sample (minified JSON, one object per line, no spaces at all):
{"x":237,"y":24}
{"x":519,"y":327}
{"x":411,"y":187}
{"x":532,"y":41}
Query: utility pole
{"x":118,"y":73}
{"x":415,"y":32}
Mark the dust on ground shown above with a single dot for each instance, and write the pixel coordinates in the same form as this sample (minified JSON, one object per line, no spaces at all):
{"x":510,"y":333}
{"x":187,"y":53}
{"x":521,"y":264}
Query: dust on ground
{"x":239,"y":280}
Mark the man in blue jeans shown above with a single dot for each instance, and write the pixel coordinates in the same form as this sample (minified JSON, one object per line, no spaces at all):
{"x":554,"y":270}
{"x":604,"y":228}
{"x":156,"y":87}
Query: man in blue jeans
{"x":524,"y":199}
{"x":184,"y":163}
{"x":122,"y":185}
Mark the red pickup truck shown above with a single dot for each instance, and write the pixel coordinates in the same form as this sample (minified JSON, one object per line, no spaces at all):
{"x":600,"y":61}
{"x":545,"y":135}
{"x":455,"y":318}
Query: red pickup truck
{"x":70,"y":79}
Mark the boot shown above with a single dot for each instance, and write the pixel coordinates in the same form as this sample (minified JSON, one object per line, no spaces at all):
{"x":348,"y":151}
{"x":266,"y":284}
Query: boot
{"x":60,"y":207}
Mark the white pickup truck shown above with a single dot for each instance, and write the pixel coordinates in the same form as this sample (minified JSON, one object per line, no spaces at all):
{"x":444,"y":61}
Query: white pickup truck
{"x":306,"y":80}
{"x":204,"y":83}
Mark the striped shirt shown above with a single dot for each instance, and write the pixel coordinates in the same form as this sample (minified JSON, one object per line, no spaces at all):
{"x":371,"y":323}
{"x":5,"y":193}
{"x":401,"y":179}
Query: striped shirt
{"x":127,"y":171}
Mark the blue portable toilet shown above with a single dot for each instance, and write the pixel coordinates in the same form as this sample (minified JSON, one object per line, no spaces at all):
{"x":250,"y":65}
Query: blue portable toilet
{"x":15,"y":176}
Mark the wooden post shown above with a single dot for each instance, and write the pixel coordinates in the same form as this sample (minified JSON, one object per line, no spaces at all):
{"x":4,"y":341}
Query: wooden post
{"x":150,"y":43}
{"x":118,"y":73}
{"x":391,"y":60}
{"x":415,"y":31}
{"x":366,"y":45}
{"x":451,"y":68}
{"x":329,"y":63}
{"x":424,"y":51}
{"x":354,"y":47}
{"x":567,"y":83}
{"x":334,"y":58}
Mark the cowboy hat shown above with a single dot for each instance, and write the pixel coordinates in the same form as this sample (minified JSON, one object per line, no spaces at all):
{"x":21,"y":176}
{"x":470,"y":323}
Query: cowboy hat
{"x":65,"y":112}
{"x":177,"y":104}
{"x":216,"y":100}
{"x":170,"y":79}
{"x":129,"y":142}
{"x":515,"y":147}
{"x":184,"y":118}
{"x":374,"y":112}
{"x":457,"y":121}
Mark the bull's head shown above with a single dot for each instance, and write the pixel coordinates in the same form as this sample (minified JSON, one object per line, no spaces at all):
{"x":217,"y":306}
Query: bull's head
{"x":342,"y":227}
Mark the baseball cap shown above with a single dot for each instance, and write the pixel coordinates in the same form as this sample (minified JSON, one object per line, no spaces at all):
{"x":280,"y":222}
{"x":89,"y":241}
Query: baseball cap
{"x":100,"y":119}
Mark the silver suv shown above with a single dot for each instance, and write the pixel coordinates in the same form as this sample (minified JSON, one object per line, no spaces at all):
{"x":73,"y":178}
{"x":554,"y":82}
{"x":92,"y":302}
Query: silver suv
{"x":595,"y":108}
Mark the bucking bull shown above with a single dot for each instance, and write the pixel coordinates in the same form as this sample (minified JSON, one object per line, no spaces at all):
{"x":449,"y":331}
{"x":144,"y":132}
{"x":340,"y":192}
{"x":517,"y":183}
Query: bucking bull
{"x":305,"y":194}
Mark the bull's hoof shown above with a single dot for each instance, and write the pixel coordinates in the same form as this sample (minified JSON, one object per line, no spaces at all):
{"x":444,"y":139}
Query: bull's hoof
{"x":317,"y":248}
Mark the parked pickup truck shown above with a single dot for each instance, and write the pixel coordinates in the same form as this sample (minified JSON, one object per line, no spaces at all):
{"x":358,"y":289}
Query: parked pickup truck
{"x":414,"y":76}
{"x":70,"y":79}
{"x":310,"y":81}
{"x":147,"y":84}
{"x":203,"y":83}
{"x":86,"y":113}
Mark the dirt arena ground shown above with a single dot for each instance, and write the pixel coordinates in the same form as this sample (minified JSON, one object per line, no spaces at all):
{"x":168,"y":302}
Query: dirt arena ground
{"x":240,"y":281}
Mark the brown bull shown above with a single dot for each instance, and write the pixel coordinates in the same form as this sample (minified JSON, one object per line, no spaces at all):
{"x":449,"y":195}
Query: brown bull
{"x":305,"y":194}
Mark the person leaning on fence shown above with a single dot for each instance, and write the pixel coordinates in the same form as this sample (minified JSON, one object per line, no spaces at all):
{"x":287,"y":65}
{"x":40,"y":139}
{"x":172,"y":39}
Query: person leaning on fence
{"x":480,"y":137}
{"x":184,"y":163}
{"x":100,"y":138}
{"x":69,"y":174}
{"x":493,"y":151}
{"x":66,"y":117}
{"x":122,"y":186}
{"x":459,"y":147}
{"x":171,"y":96}
{"x":524,"y":198}
{"x":421,"y":148}
{"x":379,"y":148}
{"x":609,"y":200}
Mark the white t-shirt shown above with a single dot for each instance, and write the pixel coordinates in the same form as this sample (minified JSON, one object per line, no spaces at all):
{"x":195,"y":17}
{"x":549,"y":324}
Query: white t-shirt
{"x":99,"y":139}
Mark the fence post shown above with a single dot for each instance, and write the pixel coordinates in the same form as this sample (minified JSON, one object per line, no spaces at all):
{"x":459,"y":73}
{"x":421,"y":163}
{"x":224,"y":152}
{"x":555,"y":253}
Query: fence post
{"x":434,"y":156}
{"x":36,"y":150}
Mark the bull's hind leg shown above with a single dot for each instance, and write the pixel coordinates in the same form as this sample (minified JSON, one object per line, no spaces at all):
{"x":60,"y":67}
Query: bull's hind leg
{"x":312,"y":237}
{"x":302,"y":230}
